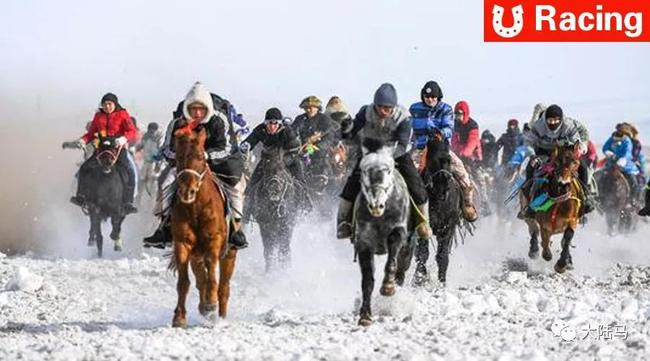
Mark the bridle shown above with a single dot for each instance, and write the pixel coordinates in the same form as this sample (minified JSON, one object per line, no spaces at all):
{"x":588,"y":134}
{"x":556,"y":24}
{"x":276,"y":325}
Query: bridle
{"x":113,"y":154}
{"x":194,"y":173}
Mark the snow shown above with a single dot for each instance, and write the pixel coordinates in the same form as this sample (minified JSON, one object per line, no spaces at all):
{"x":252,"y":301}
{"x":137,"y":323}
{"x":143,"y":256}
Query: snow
{"x":493,"y":307}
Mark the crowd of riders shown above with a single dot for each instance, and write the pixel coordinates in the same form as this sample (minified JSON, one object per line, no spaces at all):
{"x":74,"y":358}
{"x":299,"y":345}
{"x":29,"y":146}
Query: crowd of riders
{"x":306,"y":141}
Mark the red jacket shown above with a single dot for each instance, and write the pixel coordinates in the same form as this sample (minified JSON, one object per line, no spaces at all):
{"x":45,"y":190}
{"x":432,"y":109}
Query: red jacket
{"x":591,"y":156}
{"x":116,"y":124}
{"x":466,"y":140}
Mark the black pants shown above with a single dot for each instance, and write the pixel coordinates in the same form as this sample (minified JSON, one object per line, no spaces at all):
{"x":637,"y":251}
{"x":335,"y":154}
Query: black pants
{"x":405,"y":166}
{"x":122,"y":165}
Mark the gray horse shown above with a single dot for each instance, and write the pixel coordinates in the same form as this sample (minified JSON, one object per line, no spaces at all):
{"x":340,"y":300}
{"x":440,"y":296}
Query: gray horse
{"x":381,"y":224}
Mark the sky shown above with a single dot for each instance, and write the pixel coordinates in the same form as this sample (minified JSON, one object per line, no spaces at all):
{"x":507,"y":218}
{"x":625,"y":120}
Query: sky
{"x":58,"y":58}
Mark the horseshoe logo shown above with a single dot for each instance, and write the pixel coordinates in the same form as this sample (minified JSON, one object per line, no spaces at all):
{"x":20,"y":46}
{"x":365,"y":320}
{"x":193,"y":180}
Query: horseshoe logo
{"x":497,"y":21}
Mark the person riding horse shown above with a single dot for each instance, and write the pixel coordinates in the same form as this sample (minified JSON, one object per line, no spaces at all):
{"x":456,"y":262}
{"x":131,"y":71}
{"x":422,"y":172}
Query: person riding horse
{"x":429,"y":116}
{"x":198,"y":110}
{"x":550,"y":130}
{"x":385,"y":121}
{"x":275,"y":137}
{"x":618,"y":152}
{"x":111,"y":120}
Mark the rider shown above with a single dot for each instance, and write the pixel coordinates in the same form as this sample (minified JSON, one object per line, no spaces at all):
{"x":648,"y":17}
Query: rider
{"x":490,"y":149}
{"x":386,"y":121}
{"x":220,"y":153}
{"x":150,"y":142}
{"x":429,"y":116}
{"x":113,"y":121}
{"x":466,"y":142}
{"x":509,"y":141}
{"x":618,"y":151}
{"x":317,"y":133}
{"x":552,"y":129}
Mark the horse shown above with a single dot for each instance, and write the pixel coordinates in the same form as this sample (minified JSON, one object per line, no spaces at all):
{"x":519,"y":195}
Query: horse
{"x":615,"y":200}
{"x":381,"y":223}
{"x":445,"y":210}
{"x":274,"y":203}
{"x":560,"y":211}
{"x":199,"y":230}
{"x":104,"y":198}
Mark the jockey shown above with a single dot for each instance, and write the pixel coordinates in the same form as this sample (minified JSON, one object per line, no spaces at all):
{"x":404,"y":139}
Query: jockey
{"x":274,"y":136}
{"x":113,"y":121}
{"x":317,"y":133}
{"x":552,"y":129}
{"x":150,"y":143}
{"x":432,"y":115}
{"x":386,"y":121}
{"x":466,"y":142}
{"x":509,"y":141}
{"x":490,"y":149}
{"x":618,"y":151}
{"x":220,"y":153}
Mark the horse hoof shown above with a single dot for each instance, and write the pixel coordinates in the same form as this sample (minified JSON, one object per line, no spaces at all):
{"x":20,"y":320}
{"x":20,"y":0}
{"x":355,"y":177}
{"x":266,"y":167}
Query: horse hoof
{"x":365,"y":321}
{"x":533,"y":254}
{"x":179,"y":323}
{"x":420,"y":279}
{"x":117,"y":246}
{"x":92,"y":242}
{"x":387,"y":290}
{"x":547,"y":255}
{"x":559,"y":268}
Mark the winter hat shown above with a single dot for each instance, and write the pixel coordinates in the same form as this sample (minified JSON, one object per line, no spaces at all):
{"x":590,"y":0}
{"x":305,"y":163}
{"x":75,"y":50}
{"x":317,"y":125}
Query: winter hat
{"x":513,"y":123}
{"x":488,"y":137}
{"x":311,"y":101}
{"x":386,"y":95}
{"x":431,"y":88}
{"x":198,"y":94}
{"x":273,"y":114}
{"x":553,"y":111}
{"x":464,"y":107}
{"x":152,"y":127}
{"x":335,"y":105}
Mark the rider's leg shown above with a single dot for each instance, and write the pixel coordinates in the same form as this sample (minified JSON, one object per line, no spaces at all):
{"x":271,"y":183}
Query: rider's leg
{"x":236,"y":197}
{"x":527,"y":189}
{"x":417,"y":191}
{"x":583,"y":175}
{"x":348,"y":196}
{"x":634,"y":187}
{"x":645,"y":211}
{"x":82,"y":183}
{"x":162,"y":235}
{"x":460,"y":173}
{"x":125,"y":162}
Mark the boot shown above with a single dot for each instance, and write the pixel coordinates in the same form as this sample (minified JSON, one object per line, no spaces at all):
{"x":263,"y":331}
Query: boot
{"x":645,"y":211}
{"x":344,"y":220}
{"x":423,"y":229}
{"x":237,"y":237}
{"x":160,"y":239}
{"x":78,"y":200}
{"x":469,"y":211}
{"x":588,"y":204}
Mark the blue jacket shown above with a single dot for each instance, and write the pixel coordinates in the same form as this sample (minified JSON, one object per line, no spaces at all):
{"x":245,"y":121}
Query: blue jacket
{"x":424,"y":120}
{"x":519,"y":155}
{"x":621,"y":150}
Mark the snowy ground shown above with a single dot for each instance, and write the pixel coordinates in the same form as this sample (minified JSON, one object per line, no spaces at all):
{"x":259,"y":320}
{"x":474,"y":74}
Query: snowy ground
{"x":496,"y":306}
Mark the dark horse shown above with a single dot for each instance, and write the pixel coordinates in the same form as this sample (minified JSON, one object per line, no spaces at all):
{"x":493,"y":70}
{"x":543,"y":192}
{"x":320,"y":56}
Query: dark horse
{"x":104,"y":198}
{"x":614,"y":197}
{"x":445,"y":212}
{"x":273,"y":201}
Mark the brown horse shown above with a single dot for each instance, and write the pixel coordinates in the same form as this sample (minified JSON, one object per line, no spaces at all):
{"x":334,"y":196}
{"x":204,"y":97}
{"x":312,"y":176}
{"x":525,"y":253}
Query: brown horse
{"x":199,"y":230}
{"x":565,"y":194}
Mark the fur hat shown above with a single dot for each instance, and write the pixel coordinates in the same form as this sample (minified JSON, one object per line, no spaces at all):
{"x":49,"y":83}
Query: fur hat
{"x":198,"y":94}
{"x":335,"y":105}
{"x":311,"y":101}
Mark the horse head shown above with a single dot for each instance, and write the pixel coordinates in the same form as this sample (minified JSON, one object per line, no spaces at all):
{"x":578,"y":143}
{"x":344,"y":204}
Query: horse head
{"x":566,"y":161}
{"x":107,"y":153}
{"x":276,"y":177}
{"x":191,"y":165}
{"x":377,"y":167}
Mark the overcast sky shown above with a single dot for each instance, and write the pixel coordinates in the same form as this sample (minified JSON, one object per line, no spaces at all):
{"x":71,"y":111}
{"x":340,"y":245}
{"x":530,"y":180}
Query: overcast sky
{"x":59,"y":57}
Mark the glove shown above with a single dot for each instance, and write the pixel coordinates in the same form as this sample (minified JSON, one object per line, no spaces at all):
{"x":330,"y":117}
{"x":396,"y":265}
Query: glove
{"x":287,"y":121}
{"x":244,"y":147}
{"x":621,"y":162}
{"x":582,"y":148}
{"x":315,"y":138}
{"x":75,"y":144}
{"x":121,"y":141}
{"x":609,"y":154}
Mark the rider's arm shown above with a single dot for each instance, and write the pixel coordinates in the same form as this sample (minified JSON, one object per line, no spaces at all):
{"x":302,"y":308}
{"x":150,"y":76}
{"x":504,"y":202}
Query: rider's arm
{"x":291,"y":141}
{"x":403,"y":137}
{"x":357,"y":124}
{"x":255,"y":137}
{"x":168,"y":147}
{"x":90,"y":134}
{"x":446,"y":123}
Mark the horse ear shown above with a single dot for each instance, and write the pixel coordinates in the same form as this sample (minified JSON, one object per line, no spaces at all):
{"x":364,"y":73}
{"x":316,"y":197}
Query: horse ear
{"x":364,"y":150}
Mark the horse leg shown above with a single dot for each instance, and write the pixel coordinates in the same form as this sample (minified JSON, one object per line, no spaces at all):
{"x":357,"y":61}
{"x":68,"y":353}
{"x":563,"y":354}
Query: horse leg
{"x":533,"y":230}
{"x":404,"y":259}
{"x":116,"y":221}
{"x":565,"y":256}
{"x":395,"y":243}
{"x":442,"y":256}
{"x":226,"y":270}
{"x":181,"y":255}
{"x":367,"y":265}
{"x":92,"y":233}
{"x":96,"y":229}
{"x":546,"y":244}
{"x":421,"y":258}
{"x":201,"y":275}
{"x":284,"y":249}
{"x":269,"y":246}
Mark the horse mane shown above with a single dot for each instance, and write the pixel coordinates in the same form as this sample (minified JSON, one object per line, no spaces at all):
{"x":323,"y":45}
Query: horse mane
{"x":372,"y":145}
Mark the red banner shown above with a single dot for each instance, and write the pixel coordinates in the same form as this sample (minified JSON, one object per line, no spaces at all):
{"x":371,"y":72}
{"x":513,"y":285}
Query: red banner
{"x":566,"y":20}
